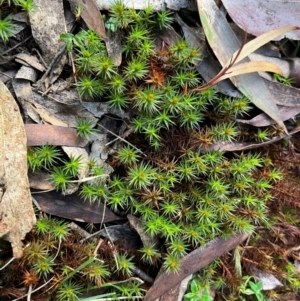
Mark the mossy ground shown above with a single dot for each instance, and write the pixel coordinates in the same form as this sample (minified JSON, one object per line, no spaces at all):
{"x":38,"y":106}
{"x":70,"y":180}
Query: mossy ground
{"x":183,"y":194}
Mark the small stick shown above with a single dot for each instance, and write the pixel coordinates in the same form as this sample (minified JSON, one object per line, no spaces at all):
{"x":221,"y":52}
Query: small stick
{"x":16,"y":46}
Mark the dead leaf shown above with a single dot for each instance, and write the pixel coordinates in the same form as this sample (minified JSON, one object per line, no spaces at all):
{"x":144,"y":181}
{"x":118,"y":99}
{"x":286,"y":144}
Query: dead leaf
{"x":224,"y":44}
{"x":41,"y":134}
{"x":73,"y":207}
{"x":29,"y":60}
{"x":192,"y":263}
{"x":40,"y":180}
{"x":45,"y":115}
{"x":47,"y":24}
{"x":282,"y":94}
{"x":260,"y":16}
{"x":256,"y":43}
{"x":114,"y":46}
{"x":16,"y":213}
{"x":194,"y":36}
{"x":57,"y":112}
{"x":137,"y":225}
{"x":264,"y":120}
{"x":91,"y":16}
{"x":27,"y":73}
{"x":177,"y":292}
{"x":241,"y":146}
{"x":250,"y":67}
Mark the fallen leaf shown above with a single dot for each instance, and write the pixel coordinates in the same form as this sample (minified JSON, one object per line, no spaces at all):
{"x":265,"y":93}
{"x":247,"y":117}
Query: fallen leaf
{"x":250,"y":67}
{"x":224,"y":44}
{"x":264,"y":120}
{"x":29,"y":60}
{"x":260,"y":16}
{"x":177,"y":292}
{"x":47,"y":23}
{"x":16,"y":213}
{"x":73,"y":207}
{"x":192,"y":263}
{"x":282,"y":94}
{"x":46,"y":115}
{"x":137,"y":225}
{"x":241,"y":146}
{"x":41,"y":134}
{"x":124,"y":233}
{"x":91,"y":16}
{"x":256,"y":43}
{"x":40,"y":180}
{"x":56,"y":112}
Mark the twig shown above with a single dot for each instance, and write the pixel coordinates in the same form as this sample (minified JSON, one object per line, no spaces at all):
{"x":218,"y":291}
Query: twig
{"x":6,"y":75}
{"x":37,"y":289}
{"x":52,"y":98}
{"x":81,"y":231}
{"x":16,"y":46}
{"x":29,"y":292}
{"x":11,"y":260}
{"x":121,"y":139}
{"x":40,"y":57}
{"x":51,"y":66}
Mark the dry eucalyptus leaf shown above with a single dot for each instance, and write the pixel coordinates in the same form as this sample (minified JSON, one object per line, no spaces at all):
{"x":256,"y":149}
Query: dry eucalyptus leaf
{"x":74,"y":207}
{"x":284,"y":95}
{"x":137,"y":225}
{"x":260,"y":16}
{"x":23,"y":91}
{"x":194,"y":36}
{"x":60,"y":113}
{"x":264,"y":120}
{"x":155,"y":4}
{"x":41,"y":134}
{"x":193,"y":262}
{"x":177,"y":292}
{"x":46,"y":115}
{"x":29,"y":60}
{"x":224,"y":44}
{"x":91,"y":16}
{"x":47,"y":24}
{"x":40,"y":180}
{"x":241,"y":146}
{"x":27,"y":73}
{"x":16,"y":212}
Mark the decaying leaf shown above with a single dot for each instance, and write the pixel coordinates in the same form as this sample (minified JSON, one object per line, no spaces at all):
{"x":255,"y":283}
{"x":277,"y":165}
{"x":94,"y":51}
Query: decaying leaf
{"x":16,"y":212}
{"x":241,"y":146}
{"x":91,"y":15}
{"x":41,"y":134}
{"x":192,"y":263}
{"x":73,"y":207}
{"x":264,"y":120}
{"x":256,"y":43}
{"x":47,"y":23}
{"x":261,"y":16}
{"x":250,"y":67}
{"x":226,"y":47}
